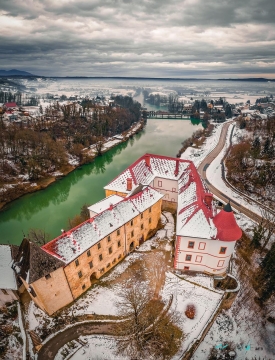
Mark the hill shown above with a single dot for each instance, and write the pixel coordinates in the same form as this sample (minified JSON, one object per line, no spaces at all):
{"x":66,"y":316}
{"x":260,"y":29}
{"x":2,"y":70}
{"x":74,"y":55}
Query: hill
{"x":14,"y":72}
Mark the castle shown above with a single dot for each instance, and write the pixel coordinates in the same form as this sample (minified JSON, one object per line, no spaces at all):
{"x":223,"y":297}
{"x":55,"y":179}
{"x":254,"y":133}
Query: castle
{"x":60,"y":271}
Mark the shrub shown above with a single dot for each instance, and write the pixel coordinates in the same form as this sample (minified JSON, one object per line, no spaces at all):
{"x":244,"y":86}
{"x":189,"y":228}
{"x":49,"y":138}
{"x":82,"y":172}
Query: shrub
{"x":190,"y":311}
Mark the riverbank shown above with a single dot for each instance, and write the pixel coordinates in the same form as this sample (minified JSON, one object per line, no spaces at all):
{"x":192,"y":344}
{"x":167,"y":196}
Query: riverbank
{"x":21,"y":188}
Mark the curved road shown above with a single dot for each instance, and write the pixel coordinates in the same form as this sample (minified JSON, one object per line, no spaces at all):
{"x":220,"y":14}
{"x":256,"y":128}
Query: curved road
{"x":51,"y":347}
{"x":220,"y":195}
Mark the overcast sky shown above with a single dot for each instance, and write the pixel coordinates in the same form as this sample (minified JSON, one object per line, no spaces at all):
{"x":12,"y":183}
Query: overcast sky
{"x":154,"y":38}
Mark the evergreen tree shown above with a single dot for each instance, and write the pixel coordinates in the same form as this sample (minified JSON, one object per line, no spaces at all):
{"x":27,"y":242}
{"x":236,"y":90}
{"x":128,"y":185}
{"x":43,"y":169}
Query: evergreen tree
{"x":267,"y":276}
{"x":266,"y":146}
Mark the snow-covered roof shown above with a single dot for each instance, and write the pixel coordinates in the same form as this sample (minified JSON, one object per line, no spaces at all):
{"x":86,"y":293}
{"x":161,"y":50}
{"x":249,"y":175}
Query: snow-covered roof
{"x":194,"y":216}
{"x":73,"y":243}
{"x":105,"y":203}
{"x":142,"y":173}
{"x":7,"y":278}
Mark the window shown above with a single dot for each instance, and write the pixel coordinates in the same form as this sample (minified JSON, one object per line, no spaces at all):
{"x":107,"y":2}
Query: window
{"x":150,"y":220}
{"x":132,"y":233}
{"x":202,"y":246}
{"x":91,"y":264}
{"x":4,"y":291}
{"x":132,"y":222}
{"x":119,"y":256}
{"x":101,"y":271}
{"x":191,"y":244}
{"x":223,"y":250}
{"x":141,"y":226}
{"x":198,"y":258}
{"x":220,"y":263}
{"x":76,"y":262}
{"x":119,"y":244}
{"x":48,"y":276}
{"x":110,"y":250}
{"x":188,"y":257}
{"x":160,"y":183}
{"x":186,"y":268}
{"x":150,"y":209}
{"x":109,"y":238}
{"x":89,"y":253}
{"x":83,"y":286}
{"x":141,"y":215}
{"x":108,"y":265}
{"x":80,"y":274}
{"x":118,"y":232}
{"x":100,"y":257}
{"x":174,"y":189}
{"x":98,"y":245}
{"x":31,"y":291}
{"x":114,"y":260}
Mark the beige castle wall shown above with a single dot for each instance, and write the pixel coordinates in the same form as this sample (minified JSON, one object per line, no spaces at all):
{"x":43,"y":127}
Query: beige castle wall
{"x":53,"y":293}
{"x":135,"y":231}
{"x":112,"y":192}
{"x":78,"y":284}
{"x":81,"y":284}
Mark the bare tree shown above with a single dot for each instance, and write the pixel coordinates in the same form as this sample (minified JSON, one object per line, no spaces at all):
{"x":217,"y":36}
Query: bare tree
{"x":268,"y":227}
{"x":150,"y":330}
{"x":38,"y":236}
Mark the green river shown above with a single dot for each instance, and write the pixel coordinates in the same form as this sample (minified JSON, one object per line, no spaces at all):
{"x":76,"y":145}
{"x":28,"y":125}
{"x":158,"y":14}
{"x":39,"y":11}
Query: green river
{"x":51,"y":208}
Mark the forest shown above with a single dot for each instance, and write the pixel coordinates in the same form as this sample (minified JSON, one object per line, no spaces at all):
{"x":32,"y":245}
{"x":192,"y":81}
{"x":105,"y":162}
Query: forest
{"x":34,"y":149}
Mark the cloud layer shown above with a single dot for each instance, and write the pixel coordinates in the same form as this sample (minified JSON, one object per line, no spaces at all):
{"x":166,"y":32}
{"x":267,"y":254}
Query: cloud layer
{"x":156,"y":38}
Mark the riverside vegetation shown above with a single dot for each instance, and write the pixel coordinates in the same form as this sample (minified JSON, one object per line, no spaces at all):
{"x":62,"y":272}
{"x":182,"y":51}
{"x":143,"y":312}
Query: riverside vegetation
{"x":31,"y":152}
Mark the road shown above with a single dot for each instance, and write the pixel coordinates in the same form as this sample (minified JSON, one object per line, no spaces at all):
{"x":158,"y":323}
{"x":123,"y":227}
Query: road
{"x":218,"y":194}
{"x":50,"y":349}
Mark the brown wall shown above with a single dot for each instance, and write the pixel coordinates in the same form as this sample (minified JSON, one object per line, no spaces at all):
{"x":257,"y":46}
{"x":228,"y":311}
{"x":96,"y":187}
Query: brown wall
{"x":53,"y":293}
{"x":169,"y":206}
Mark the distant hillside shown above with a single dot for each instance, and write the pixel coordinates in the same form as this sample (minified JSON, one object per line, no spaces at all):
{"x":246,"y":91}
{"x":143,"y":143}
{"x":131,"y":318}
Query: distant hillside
{"x":14,"y":72}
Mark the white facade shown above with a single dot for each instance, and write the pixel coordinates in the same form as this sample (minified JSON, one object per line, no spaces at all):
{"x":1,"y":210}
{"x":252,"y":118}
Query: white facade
{"x":168,"y":187}
{"x":8,"y":285}
{"x":204,"y":255}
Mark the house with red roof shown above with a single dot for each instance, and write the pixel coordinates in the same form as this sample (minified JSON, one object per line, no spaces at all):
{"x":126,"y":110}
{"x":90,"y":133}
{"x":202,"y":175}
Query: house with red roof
{"x":10,"y":105}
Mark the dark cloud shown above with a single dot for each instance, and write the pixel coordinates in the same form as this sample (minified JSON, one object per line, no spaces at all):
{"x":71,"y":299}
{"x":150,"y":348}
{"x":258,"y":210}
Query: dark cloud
{"x":144,"y":38}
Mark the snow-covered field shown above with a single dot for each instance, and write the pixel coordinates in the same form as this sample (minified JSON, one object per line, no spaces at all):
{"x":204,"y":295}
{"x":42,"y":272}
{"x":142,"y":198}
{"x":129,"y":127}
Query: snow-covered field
{"x":206,"y":302}
{"x":98,"y":347}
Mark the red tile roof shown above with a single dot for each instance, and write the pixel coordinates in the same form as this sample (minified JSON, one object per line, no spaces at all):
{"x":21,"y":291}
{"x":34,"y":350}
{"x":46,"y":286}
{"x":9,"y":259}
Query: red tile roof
{"x":11,"y":105}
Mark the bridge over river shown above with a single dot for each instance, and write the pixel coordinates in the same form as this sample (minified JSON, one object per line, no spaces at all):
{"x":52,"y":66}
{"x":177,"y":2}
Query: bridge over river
{"x":166,"y":115}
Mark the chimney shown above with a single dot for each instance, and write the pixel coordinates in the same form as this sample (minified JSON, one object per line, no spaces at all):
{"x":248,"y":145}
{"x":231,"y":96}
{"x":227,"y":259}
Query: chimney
{"x":111,"y":205}
{"x":177,"y":167}
{"x":129,"y":184}
{"x":208,"y":197}
{"x":147,"y":160}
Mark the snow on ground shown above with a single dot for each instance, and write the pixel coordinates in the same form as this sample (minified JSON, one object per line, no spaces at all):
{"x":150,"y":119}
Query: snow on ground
{"x":200,"y":279}
{"x":100,"y":300}
{"x":243,"y":337}
{"x":198,"y":155}
{"x":36,"y":317}
{"x":73,"y":160}
{"x":214,"y":175}
{"x":184,"y":293}
{"x":111,"y":143}
{"x":98,"y":347}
